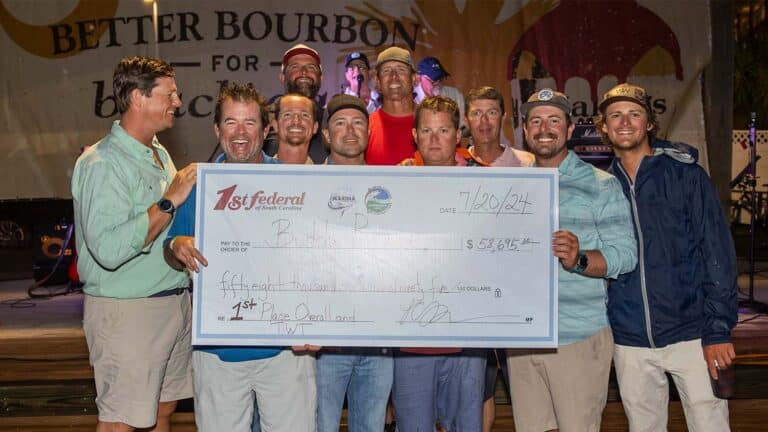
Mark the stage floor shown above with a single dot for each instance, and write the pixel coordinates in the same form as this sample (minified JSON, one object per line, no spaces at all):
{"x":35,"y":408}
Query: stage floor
{"x":45,"y":378}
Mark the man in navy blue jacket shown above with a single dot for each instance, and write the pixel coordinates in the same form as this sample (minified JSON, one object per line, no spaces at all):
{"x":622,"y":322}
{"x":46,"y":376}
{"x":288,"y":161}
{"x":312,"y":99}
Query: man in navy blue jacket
{"x":675,"y":312}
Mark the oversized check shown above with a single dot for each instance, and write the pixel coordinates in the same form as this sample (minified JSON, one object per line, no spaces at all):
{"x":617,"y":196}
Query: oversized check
{"x":376,"y":256}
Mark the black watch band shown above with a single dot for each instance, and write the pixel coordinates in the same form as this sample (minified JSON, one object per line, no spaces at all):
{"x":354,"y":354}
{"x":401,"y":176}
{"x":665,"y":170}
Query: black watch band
{"x":166,"y":206}
{"x":581,"y":263}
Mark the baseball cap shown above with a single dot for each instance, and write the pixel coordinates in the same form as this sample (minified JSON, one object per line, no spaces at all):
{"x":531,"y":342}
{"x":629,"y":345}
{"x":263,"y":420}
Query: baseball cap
{"x":431,"y":67}
{"x":342,"y":101}
{"x":394,"y":54}
{"x":356,"y":55}
{"x":547,"y":97}
{"x":625,"y":92}
{"x":300,"y":49}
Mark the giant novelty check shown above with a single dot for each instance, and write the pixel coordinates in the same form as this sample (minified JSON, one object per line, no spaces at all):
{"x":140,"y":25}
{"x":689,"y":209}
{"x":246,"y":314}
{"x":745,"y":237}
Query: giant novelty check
{"x":376,"y":256}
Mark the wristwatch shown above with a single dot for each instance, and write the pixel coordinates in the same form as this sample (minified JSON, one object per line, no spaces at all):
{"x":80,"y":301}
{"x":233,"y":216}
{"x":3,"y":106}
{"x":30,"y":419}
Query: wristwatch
{"x":581,"y":263}
{"x":166,"y":206}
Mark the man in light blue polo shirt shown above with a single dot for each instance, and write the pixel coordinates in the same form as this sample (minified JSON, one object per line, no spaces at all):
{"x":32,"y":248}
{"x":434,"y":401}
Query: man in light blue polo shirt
{"x":137,"y":315}
{"x":229,"y":379}
{"x":567,"y":390}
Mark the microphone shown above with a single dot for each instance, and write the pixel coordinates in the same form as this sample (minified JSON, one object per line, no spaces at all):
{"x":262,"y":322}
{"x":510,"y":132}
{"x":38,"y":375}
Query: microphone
{"x":360,"y":79}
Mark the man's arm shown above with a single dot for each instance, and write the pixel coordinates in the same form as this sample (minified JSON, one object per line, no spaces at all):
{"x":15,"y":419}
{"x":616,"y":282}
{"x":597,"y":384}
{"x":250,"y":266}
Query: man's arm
{"x":169,"y":257}
{"x":112,"y":230}
{"x":565,"y":245}
{"x":613,"y":219}
{"x":177,"y":193}
{"x":181,"y":253}
{"x":719,"y":273}
{"x":179,"y":245}
{"x":613,"y":222}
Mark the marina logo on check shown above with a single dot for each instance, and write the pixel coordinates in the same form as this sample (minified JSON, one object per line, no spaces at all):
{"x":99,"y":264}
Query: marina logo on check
{"x":341,"y":200}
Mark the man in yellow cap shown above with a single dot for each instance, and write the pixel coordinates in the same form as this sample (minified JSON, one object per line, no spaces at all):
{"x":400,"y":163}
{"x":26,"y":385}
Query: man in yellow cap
{"x":390,"y":139}
{"x":675,"y":312}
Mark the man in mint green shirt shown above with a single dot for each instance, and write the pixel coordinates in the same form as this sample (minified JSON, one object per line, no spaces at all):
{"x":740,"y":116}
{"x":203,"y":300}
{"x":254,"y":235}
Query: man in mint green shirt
{"x":567,"y":389}
{"x":137,"y":312}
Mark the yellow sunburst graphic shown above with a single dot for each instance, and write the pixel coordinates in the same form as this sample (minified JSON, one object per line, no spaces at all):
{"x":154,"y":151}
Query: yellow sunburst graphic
{"x":39,"y":39}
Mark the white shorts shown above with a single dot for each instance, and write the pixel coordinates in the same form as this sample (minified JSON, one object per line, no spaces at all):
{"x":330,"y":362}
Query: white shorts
{"x":283,"y":386}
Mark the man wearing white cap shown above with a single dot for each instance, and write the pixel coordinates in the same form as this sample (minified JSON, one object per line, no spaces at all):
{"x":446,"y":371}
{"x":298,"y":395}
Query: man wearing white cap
{"x":567,"y":389}
{"x":301,"y":71}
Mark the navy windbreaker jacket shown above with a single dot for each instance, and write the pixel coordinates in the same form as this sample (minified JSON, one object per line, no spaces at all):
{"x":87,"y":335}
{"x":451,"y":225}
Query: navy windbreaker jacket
{"x":684,"y":286}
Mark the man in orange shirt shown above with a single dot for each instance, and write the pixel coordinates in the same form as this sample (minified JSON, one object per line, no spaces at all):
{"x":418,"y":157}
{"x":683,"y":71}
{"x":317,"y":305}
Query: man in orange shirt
{"x":444,"y":384}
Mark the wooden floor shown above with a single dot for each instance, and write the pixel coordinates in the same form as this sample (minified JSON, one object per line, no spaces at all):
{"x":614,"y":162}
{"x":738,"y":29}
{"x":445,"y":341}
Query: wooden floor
{"x":46,"y":383}
{"x":746,"y":416}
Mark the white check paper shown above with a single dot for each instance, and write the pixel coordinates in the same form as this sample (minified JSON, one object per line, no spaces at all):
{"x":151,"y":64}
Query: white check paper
{"x":376,"y":256}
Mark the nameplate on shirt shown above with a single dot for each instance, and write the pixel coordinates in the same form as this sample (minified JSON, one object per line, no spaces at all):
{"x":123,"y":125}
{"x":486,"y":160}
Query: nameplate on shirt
{"x":376,"y":256}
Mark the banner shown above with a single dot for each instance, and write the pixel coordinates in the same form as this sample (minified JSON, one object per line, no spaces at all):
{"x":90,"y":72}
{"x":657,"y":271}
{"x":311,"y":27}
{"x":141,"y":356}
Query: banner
{"x":59,"y":55}
{"x":376,"y":256}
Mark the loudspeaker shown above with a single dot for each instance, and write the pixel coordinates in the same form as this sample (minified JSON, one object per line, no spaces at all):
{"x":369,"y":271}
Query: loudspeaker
{"x":52,"y":258}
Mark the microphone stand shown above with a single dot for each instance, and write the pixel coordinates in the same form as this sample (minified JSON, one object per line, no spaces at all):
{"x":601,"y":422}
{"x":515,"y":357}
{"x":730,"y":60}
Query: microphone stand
{"x":750,"y":304}
{"x":360,"y":80}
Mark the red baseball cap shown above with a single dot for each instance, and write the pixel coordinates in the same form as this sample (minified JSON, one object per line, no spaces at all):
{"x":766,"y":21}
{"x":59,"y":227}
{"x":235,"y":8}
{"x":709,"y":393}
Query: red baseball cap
{"x":300,"y":49}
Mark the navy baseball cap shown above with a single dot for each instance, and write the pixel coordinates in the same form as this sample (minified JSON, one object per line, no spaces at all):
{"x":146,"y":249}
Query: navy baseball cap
{"x":357,"y":55}
{"x":431,"y":67}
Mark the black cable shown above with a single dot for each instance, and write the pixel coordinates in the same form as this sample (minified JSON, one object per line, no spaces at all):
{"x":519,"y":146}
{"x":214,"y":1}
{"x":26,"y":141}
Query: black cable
{"x":753,"y":317}
{"x":213,"y":153}
{"x":19,"y":303}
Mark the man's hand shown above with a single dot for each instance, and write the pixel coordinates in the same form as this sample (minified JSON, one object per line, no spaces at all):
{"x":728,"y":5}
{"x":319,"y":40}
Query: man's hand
{"x":565,"y":245}
{"x":182,"y":185}
{"x":184,"y":250}
{"x":719,"y":356}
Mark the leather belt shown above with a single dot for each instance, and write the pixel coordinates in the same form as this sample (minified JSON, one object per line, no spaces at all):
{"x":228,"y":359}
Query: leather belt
{"x":170,"y":292}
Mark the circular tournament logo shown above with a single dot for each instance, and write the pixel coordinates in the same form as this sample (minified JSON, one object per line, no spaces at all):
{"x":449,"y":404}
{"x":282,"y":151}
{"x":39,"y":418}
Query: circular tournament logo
{"x":378,"y":200}
{"x":545,"y":95}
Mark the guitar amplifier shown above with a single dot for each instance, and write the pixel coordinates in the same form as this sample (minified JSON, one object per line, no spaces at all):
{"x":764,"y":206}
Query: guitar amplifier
{"x":53,"y":253}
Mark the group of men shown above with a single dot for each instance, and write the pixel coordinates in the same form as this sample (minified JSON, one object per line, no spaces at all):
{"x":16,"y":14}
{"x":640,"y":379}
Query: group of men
{"x":652,"y":232}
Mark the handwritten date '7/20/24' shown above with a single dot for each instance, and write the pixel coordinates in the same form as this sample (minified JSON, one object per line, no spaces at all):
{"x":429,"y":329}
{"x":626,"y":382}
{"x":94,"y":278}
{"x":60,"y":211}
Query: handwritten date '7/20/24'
{"x":485,"y":202}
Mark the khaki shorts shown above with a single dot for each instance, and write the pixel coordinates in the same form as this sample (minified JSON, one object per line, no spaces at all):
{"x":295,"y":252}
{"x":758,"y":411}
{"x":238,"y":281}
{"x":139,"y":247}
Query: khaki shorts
{"x":140,"y":350}
{"x":645,"y":390}
{"x":564,"y":390}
